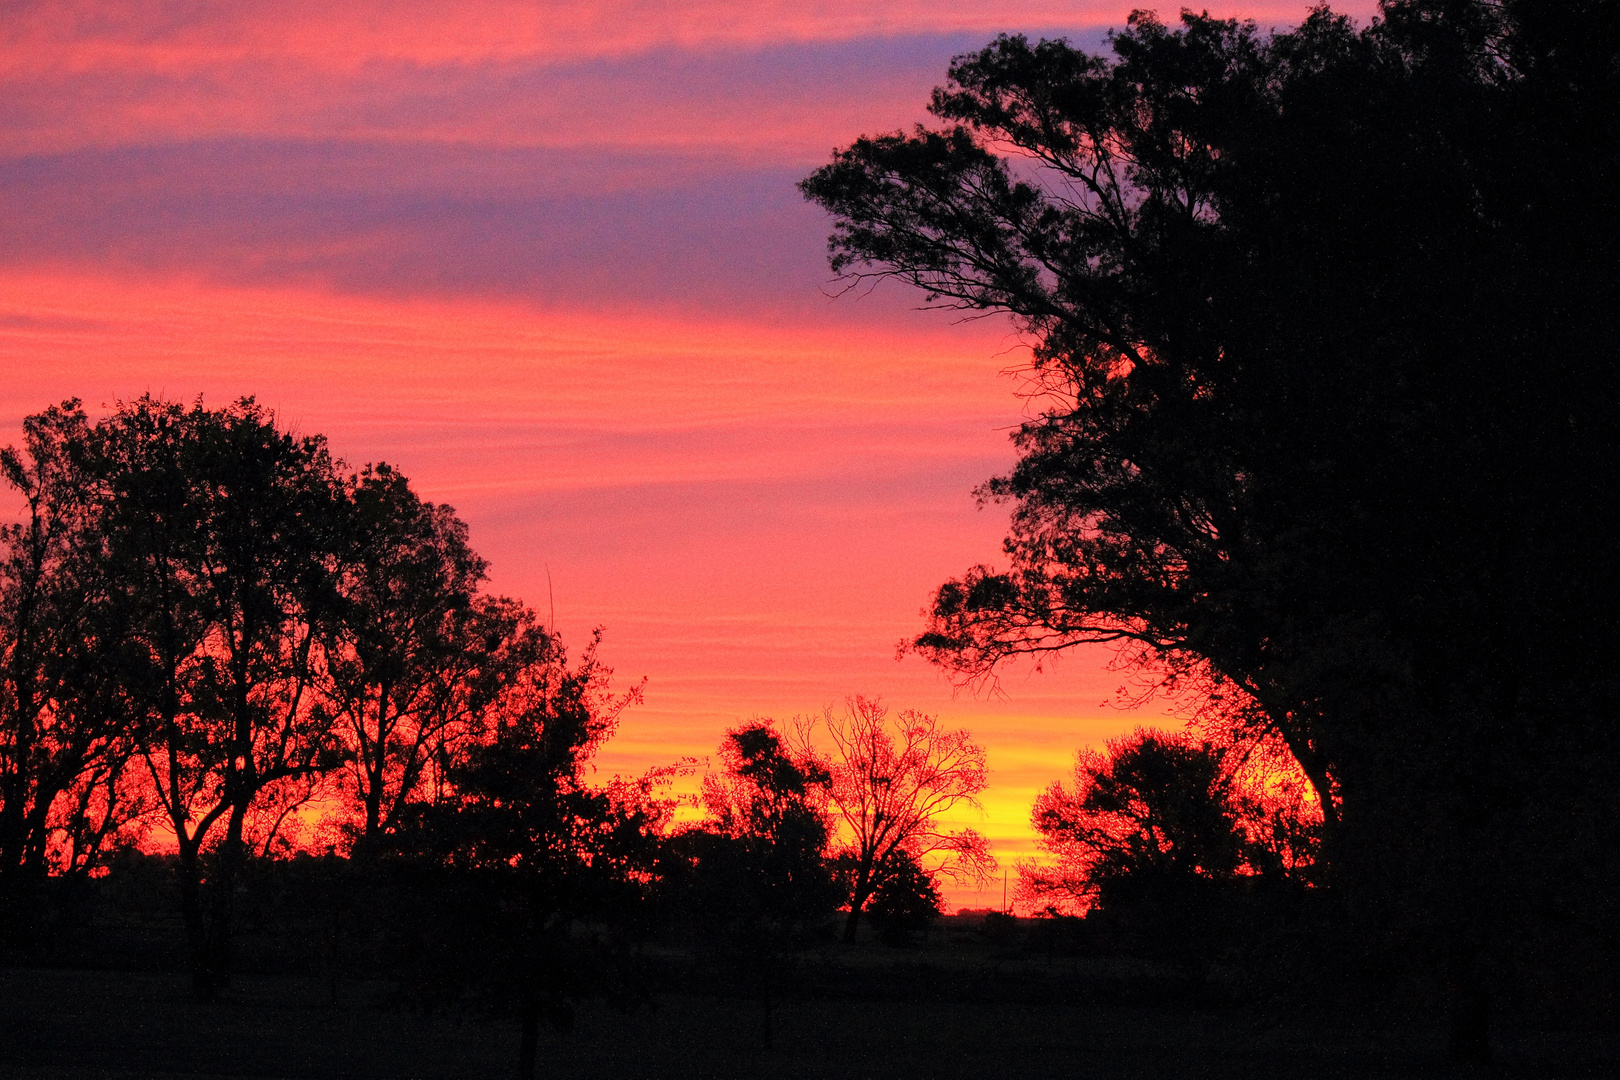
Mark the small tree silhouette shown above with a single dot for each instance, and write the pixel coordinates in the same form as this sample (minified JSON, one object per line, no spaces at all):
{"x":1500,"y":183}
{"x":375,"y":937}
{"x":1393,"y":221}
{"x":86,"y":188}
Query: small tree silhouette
{"x":520,"y":869}
{"x":906,"y":901}
{"x":758,"y":880}
{"x":1153,"y":816}
{"x":1171,"y":840}
{"x":892,"y":778}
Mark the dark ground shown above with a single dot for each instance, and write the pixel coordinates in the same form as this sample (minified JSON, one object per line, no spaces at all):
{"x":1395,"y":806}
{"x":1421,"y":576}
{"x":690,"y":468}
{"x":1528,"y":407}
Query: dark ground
{"x":62,"y":1024}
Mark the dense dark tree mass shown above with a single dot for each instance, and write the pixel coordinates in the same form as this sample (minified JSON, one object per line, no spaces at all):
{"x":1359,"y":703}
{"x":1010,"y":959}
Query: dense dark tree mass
{"x":67,"y":700}
{"x":1183,"y":847}
{"x":1155,"y":815}
{"x":754,"y":876}
{"x":208,"y":622}
{"x":523,"y":853}
{"x":220,"y":534}
{"x":1324,"y":327}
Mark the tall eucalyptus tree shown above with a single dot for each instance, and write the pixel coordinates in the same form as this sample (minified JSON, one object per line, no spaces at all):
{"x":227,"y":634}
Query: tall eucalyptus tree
{"x":222,"y":529}
{"x":1324,"y":326}
{"x":414,"y":654}
{"x":67,"y":716}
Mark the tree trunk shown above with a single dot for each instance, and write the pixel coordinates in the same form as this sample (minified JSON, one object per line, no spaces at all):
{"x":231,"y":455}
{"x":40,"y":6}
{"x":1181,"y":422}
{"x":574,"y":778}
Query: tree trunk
{"x":16,"y":899}
{"x":202,"y":986}
{"x":21,"y":889}
{"x":857,"y":903}
{"x":1470,"y":1038}
{"x":374,"y":798}
{"x":766,"y":1004}
{"x":766,"y":977}
{"x":222,"y":899}
{"x":334,"y":946}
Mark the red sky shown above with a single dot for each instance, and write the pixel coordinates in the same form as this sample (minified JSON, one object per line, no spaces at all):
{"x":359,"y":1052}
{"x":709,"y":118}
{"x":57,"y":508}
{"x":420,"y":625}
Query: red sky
{"x":547,"y":258}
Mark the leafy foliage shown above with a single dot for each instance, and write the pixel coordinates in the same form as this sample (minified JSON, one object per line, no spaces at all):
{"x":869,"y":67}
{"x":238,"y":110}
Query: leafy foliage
{"x":1274,"y":313}
{"x":516,"y":874}
{"x":906,"y":901}
{"x":67,"y":705}
{"x":752,"y":879}
{"x":1320,"y":326}
{"x":415,"y":655}
{"x":1164,"y":818}
{"x":221,"y":534}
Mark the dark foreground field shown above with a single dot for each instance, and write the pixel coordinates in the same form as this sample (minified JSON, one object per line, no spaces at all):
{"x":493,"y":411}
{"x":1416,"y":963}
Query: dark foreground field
{"x":82,"y":1024}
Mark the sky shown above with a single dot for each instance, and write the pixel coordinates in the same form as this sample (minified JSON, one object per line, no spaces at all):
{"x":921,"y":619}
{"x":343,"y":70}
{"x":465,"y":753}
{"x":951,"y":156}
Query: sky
{"x":548,"y":259}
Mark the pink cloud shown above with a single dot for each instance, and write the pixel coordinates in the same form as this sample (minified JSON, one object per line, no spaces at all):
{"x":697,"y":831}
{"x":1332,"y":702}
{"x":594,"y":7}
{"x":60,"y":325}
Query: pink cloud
{"x":749,"y":80}
{"x":183,"y":36}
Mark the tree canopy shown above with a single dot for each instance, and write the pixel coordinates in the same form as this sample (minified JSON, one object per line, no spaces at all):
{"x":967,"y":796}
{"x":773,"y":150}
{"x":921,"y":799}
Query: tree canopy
{"x":523,"y":852}
{"x":1167,"y":820}
{"x":1323,"y":328}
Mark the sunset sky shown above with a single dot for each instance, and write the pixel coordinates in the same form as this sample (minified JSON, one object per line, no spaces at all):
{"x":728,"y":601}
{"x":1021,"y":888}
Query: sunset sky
{"x":548,"y":259}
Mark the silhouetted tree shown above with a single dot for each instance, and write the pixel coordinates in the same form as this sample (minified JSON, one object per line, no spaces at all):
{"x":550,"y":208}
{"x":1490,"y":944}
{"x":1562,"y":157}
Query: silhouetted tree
{"x":906,"y":900}
{"x":523,"y":866}
{"x":1153,"y":816}
{"x":1175,"y":841}
{"x":892,"y":778}
{"x":756,"y":877}
{"x":1320,"y":321}
{"x":67,"y":721}
{"x":413,"y":655}
{"x":221,"y":533}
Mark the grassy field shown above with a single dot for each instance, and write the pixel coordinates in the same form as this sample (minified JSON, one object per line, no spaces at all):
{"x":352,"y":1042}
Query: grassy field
{"x":78,"y":1024}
